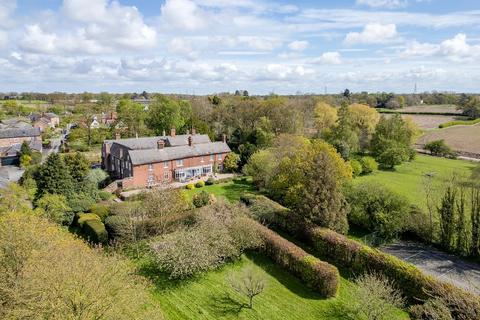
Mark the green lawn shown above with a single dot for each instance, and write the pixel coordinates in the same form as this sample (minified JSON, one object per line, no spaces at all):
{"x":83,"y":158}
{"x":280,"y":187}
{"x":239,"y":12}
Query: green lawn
{"x":284,"y":298}
{"x":231,"y":190}
{"x":407,"y":178}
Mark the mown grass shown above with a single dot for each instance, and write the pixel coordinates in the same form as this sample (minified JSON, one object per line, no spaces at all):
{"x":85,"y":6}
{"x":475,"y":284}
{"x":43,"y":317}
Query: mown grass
{"x":407,"y":178}
{"x":209,"y":296}
{"x":231,"y":190}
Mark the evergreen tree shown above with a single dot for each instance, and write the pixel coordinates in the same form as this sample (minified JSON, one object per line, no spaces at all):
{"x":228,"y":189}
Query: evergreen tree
{"x":77,"y":165}
{"x":54,"y":177}
{"x":447,"y":217}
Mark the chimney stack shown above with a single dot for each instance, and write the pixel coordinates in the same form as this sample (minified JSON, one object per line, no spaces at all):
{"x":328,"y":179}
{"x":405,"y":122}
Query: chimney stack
{"x":163,"y":133}
{"x":190,"y":141}
{"x":172,"y":132}
{"x":188,"y":131}
{"x":117,"y":136}
{"x":160,"y":144}
{"x":194,"y":131}
{"x":224,"y":138}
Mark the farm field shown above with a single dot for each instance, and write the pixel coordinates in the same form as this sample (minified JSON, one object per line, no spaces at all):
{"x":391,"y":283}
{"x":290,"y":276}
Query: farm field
{"x":461,"y":138}
{"x":438,"y":108}
{"x":231,"y":190}
{"x":406,"y":179}
{"x":428,"y":122}
{"x":210,"y":297}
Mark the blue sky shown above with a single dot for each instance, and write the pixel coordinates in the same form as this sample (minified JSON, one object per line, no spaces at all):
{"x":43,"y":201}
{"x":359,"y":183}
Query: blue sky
{"x":206,"y":46}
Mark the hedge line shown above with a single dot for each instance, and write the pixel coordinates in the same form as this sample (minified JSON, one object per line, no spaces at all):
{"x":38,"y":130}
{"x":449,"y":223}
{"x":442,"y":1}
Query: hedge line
{"x":358,"y":258}
{"x":318,"y":275}
{"x":458,"y":123}
{"x":426,"y":113}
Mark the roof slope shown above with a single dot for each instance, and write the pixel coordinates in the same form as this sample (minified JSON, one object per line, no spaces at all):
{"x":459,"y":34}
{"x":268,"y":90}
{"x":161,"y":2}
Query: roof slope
{"x":145,"y":143}
{"x":19,"y":132}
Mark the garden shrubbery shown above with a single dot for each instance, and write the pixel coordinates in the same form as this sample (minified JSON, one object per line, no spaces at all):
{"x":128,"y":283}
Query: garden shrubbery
{"x":201,"y":199}
{"x":368,"y":165}
{"x":200,"y":184}
{"x":356,"y":167}
{"x":210,"y":181}
{"x":359,"y":259}
{"x":94,"y":231}
{"x":190,"y":186}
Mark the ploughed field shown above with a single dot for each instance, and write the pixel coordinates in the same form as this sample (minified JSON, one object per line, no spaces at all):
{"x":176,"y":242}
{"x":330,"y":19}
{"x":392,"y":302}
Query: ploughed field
{"x":428,"y":121}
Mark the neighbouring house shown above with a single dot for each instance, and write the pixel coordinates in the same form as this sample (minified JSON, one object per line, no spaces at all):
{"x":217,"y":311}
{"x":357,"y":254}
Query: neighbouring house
{"x":109,"y":119}
{"x":95,"y":124}
{"x":45,"y":120}
{"x":11,"y":140}
{"x":15,"y":123}
{"x":150,"y":161}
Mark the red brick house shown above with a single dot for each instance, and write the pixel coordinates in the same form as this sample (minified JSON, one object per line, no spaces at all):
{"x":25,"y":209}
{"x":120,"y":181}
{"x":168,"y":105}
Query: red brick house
{"x":150,"y":161}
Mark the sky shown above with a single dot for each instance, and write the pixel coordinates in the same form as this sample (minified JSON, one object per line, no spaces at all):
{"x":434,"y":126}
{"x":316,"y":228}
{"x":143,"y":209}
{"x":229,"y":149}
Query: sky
{"x":263,"y":46}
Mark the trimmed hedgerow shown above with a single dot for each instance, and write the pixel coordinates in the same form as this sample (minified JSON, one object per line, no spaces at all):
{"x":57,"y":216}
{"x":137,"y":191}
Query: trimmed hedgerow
{"x":81,"y":218}
{"x":358,"y":259}
{"x":190,"y":186}
{"x":94,"y":231}
{"x":318,"y":275}
{"x":200,"y":184}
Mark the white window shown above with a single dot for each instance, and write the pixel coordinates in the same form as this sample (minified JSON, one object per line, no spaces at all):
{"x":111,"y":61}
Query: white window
{"x":165,"y":176}
{"x":212,"y":157}
{"x":219,"y":157}
{"x":180,"y":163}
{"x":165,"y":164}
{"x":202,"y":159}
{"x":150,"y":167}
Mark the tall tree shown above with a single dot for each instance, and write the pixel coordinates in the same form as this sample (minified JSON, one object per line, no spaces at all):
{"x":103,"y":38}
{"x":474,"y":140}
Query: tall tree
{"x":54,"y":177}
{"x":166,"y":113}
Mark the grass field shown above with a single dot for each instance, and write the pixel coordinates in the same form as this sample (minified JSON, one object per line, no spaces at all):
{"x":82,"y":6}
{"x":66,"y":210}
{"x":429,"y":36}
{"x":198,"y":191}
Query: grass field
{"x":231,"y":190}
{"x":407,"y":178}
{"x":285,"y":298}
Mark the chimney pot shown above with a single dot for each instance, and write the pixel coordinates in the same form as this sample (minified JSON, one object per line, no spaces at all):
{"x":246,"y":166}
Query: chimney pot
{"x":188,"y":131}
{"x":194,"y":131}
{"x":163,"y":133}
{"x":190,"y":141}
{"x":172,"y":132}
{"x":117,"y":136}
{"x":224,"y":138}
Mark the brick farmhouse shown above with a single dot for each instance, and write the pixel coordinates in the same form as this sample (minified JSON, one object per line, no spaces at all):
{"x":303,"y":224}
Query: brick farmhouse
{"x":150,"y":161}
{"x":11,"y":140}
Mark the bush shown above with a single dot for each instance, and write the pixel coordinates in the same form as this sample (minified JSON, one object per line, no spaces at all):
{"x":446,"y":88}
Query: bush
{"x":190,"y":186}
{"x":201,"y":199}
{"x":200,"y":184}
{"x":100,"y":210}
{"x":433,"y":309}
{"x":318,"y":275}
{"x":359,"y":259}
{"x":94,"y":230}
{"x":105,"y":195}
{"x":368,"y":165}
{"x":210,"y":181}
{"x":83,"y":217}
{"x":440,"y":149}
{"x":80,"y":202}
{"x":356,"y":167}
{"x":117,"y":227}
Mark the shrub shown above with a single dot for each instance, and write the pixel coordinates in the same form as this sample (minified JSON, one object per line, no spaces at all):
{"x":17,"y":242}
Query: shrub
{"x":80,"y":202}
{"x":200,"y":184}
{"x":368,"y":165}
{"x":94,"y":230}
{"x":432,"y":309}
{"x":117,"y":228}
{"x":190,"y":186}
{"x":83,"y":217}
{"x":356,"y":167}
{"x":201,"y":199}
{"x":358,"y":259}
{"x":458,"y":122}
{"x":105,"y":195}
{"x":440,"y":149}
{"x":100,"y":210}
{"x":318,"y":275}
{"x":210,"y":181}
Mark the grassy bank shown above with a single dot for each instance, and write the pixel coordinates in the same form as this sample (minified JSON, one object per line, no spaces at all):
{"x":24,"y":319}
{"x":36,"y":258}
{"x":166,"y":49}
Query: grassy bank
{"x":231,"y":190}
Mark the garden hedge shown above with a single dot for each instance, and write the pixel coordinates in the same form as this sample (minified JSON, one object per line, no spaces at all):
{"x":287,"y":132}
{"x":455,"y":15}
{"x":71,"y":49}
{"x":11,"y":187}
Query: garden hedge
{"x":322,"y":277}
{"x":358,"y":258}
{"x":94,"y":231}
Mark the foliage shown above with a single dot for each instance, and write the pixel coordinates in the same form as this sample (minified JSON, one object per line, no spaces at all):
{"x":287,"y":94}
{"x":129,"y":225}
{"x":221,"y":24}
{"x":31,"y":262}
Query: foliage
{"x":206,"y":245}
{"x":105,"y":195}
{"x":77,"y":165}
{"x":439,"y":148}
{"x":471,"y":107}
{"x":190,"y":186}
{"x":459,"y":123}
{"x":201,"y":199}
{"x":231,"y":161}
{"x":25,"y":160}
{"x":368,"y":165}
{"x":45,"y":272}
{"x":96,"y":176}
{"x":100,"y":210}
{"x":54,"y":177}
{"x":55,"y":208}
{"x":200,"y":184}
{"x":345,"y":137}
{"x":326,"y":118}
{"x":364,"y":120}
{"x":210,"y":181}
{"x":357,"y":168}
{"x":376,"y":298}
{"x":260,"y":167}
{"x":82,"y":217}
{"x":14,"y":198}
{"x":248,"y":283}
{"x":165,"y":113}
{"x":81,"y":201}
{"x":94,"y":230}
{"x":392,"y":140}
{"x":132,"y":116}
{"x":432,"y":309}
{"x":378,"y":209}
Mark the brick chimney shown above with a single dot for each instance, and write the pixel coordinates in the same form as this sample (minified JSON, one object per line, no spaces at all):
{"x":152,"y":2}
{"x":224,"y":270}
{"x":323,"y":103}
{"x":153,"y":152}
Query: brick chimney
{"x":172,"y":132}
{"x":117,"y":136}
{"x":160,"y":144}
{"x":194,"y":131}
{"x":163,"y":133}
{"x":224,"y":138}
{"x":190,"y":141}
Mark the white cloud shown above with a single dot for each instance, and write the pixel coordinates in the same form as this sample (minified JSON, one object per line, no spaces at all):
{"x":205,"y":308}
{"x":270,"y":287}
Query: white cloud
{"x":389,"y":4}
{"x":6,"y":9}
{"x":327,"y":58}
{"x":37,"y":40}
{"x":183,"y":14}
{"x":182,"y":47}
{"x":372,"y":33}
{"x":298,"y":45}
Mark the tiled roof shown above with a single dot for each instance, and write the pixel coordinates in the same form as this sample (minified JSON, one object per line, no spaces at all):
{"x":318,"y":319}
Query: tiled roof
{"x":151,"y":142}
{"x":179,"y":152}
{"x":19,"y":132}
{"x":14,"y":149}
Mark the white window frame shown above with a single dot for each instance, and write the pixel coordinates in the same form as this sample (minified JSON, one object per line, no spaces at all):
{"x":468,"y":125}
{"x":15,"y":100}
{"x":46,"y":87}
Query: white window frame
{"x":150,"y":167}
{"x":166,"y":175}
{"x":212,"y":157}
{"x":165,"y":164}
{"x":180,"y":163}
{"x":202,"y":159}
{"x":219,"y":156}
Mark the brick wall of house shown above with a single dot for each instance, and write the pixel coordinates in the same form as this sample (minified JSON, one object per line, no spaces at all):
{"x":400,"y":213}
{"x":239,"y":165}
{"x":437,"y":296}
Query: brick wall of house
{"x":141,"y":173}
{"x":10,"y":141}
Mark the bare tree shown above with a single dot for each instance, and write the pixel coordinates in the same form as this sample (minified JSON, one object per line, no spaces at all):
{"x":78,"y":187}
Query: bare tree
{"x":248,"y":283}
